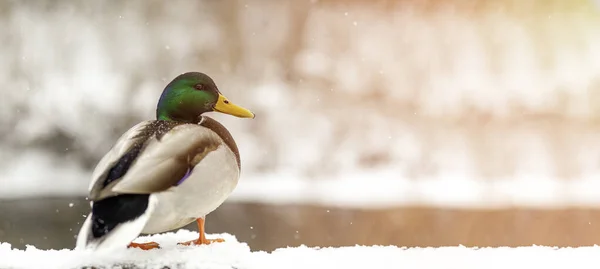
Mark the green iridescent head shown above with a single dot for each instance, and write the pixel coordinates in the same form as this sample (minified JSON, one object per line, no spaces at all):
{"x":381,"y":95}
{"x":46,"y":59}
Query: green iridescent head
{"x":191,"y":94}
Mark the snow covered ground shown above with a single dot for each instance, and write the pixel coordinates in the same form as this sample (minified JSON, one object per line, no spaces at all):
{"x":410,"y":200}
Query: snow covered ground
{"x":382,"y":188}
{"x":385,"y":188}
{"x":237,"y":255}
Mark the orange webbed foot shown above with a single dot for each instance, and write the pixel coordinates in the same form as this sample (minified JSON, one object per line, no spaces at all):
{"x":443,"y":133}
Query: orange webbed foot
{"x":202,"y":241}
{"x":144,"y":246}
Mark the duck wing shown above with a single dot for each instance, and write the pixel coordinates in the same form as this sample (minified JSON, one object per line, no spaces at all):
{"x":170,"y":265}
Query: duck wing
{"x":152,"y":156}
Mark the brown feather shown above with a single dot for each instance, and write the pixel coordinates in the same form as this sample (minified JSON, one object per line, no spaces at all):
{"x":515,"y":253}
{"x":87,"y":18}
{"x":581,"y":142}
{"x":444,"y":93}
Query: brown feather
{"x":223,"y":133}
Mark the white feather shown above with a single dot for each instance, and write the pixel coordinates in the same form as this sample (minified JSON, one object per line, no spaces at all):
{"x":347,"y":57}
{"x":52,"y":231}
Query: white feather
{"x":201,"y":193}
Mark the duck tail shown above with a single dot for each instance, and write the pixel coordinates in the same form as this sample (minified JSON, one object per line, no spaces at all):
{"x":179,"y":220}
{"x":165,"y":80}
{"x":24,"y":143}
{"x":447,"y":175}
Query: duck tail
{"x":115,"y":221}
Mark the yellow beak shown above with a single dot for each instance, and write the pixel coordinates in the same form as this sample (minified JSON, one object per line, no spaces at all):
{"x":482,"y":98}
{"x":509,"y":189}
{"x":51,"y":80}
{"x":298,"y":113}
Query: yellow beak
{"x":224,"y":106}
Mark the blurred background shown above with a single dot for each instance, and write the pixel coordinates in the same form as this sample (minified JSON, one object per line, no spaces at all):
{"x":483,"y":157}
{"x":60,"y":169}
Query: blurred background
{"x":413,"y":123}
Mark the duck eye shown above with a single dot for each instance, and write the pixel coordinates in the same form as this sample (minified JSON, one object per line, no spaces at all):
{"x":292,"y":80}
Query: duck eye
{"x":198,"y":87}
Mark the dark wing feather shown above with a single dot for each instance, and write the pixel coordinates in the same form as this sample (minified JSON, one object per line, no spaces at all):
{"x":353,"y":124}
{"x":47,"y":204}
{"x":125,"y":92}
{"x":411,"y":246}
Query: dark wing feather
{"x":119,"y":169}
{"x":108,"y":213}
{"x":115,"y":164}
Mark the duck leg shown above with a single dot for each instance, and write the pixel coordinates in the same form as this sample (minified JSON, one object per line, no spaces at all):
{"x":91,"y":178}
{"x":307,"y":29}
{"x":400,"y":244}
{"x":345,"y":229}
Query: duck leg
{"x":202,"y":240}
{"x":144,"y":246}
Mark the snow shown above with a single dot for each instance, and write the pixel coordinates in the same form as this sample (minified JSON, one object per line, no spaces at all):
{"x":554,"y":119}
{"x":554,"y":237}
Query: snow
{"x":234,"y":254}
{"x":27,"y":173}
{"x":440,"y":66}
{"x":215,"y":256}
{"x":385,"y":189}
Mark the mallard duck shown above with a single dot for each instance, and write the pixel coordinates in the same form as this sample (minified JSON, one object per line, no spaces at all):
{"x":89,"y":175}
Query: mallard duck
{"x":166,"y":173}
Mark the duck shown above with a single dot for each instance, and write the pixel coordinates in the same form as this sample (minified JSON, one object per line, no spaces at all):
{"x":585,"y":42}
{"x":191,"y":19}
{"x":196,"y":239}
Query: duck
{"x":163,"y":174}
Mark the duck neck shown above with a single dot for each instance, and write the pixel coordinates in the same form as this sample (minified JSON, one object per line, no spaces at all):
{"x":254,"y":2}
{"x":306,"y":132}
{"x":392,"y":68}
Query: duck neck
{"x":169,"y":110}
{"x":178,"y":118}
